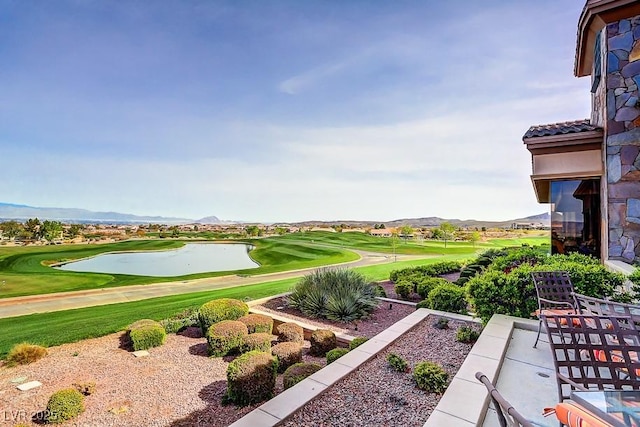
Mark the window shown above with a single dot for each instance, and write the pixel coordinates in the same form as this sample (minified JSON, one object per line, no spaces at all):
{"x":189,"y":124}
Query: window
{"x":575,"y":217}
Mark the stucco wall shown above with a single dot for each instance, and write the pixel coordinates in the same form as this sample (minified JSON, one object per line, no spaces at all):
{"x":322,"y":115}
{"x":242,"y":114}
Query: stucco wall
{"x":622,"y":130}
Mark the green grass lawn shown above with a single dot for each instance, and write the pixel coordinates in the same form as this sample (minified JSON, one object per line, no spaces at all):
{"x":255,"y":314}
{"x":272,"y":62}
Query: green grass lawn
{"x":24,"y":270}
{"x":61,"y":327}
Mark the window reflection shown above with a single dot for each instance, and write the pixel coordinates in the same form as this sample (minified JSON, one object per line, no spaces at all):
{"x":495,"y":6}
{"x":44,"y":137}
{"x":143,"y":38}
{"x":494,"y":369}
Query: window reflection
{"x":575,"y":217}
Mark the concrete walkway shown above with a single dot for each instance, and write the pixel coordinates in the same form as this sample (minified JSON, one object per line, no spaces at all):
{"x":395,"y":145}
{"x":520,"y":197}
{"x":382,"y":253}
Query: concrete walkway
{"x":21,"y":306}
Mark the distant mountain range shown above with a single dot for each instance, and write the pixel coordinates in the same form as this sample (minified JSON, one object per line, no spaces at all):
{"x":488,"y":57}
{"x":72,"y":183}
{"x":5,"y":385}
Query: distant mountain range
{"x":10,"y":211}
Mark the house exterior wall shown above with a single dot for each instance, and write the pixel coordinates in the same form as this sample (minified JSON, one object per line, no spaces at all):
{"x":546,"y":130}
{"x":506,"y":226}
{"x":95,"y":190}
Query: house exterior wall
{"x":621,"y":78}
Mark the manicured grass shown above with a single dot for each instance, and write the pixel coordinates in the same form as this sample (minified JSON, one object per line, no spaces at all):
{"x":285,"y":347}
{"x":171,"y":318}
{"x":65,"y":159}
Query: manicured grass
{"x":24,"y":269}
{"x":61,"y":327}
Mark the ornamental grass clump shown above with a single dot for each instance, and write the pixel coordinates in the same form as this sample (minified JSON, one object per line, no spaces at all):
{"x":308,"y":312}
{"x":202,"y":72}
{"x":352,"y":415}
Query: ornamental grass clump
{"x":251,"y":378}
{"x":64,"y":405}
{"x":335,"y":354}
{"x":145,"y":334}
{"x":336,"y":294}
{"x":258,"y":341}
{"x":25,"y":353}
{"x":430,"y":377}
{"x":290,"y":332}
{"x":397,"y":363}
{"x":322,"y":340}
{"x":226,"y":337}
{"x":288,"y":354}
{"x":296,"y":373}
{"x":257,"y":323}
{"x":221,"y":309}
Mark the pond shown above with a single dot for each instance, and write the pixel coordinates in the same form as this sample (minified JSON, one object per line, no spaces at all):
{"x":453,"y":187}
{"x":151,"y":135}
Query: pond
{"x":192,"y":258}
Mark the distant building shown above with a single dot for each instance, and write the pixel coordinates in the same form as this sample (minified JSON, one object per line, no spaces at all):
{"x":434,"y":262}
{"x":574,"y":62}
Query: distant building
{"x":588,"y":171}
{"x":382,"y":232}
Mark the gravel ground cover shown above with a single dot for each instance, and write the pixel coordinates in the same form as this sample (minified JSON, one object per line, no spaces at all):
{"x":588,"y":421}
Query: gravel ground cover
{"x":177,"y":385}
{"x":376,"y":395}
{"x":379,"y":320}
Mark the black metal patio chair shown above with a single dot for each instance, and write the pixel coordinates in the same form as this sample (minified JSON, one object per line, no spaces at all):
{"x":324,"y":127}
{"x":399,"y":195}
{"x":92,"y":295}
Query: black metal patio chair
{"x":507,"y":415}
{"x":555,"y":295}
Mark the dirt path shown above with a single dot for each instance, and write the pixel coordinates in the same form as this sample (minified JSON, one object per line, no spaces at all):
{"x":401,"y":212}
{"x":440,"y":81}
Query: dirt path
{"x":21,"y":306}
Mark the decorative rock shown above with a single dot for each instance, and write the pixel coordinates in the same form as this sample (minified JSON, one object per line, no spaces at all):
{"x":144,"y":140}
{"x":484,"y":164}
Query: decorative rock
{"x":629,"y":154}
{"x":615,"y":80}
{"x":632,"y":101}
{"x":615,"y":128}
{"x":614,"y":172}
{"x":141,"y":353}
{"x":634,"y":55}
{"x":622,"y":41}
{"x":626,"y":114}
{"x":633,"y":208}
{"x":621,"y":54}
{"x":624,"y":25}
{"x":611,"y":105}
{"x":619,"y":91}
{"x":631,"y":69}
{"x":631,"y":137}
{"x":628,"y":252}
{"x":613,"y":63}
{"x":622,"y":99}
{"x":19,"y":380}
{"x":615,"y":250}
{"x":636,"y":32}
{"x":624,"y":190}
{"x":29,"y":386}
{"x":636,"y":81}
{"x":613,"y":149}
{"x":617,"y":211}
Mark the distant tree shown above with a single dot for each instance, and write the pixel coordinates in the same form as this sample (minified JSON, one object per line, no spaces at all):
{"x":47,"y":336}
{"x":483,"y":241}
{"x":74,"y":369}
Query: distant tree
{"x":140,"y":232}
{"x":32,"y":228}
{"x":74,"y":230}
{"x":448,"y":232}
{"x":484,"y":229}
{"x":337,"y":227}
{"x":11,"y":229}
{"x":280,"y":231}
{"x":175,"y":231}
{"x":406,"y":231}
{"x":474,"y":237}
{"x":436,"y":233}
{"x":51,"y":230}
{"x":253,"y":230}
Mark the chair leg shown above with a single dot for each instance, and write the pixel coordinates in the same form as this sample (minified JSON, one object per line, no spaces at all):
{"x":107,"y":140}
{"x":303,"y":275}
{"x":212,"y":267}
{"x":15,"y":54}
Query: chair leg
{"x":539,"y":329}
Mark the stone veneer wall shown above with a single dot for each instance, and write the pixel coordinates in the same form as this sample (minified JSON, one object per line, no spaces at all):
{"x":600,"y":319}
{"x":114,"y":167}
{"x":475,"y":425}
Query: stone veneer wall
{"x":623,"y":138}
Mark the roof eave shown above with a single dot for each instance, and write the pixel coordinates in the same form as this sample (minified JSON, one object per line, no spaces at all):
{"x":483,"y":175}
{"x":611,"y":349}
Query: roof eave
{"x":564,"y":140}
{"x":595,"y":16}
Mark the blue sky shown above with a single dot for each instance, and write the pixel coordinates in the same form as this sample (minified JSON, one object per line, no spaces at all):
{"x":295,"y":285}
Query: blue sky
{"x":282,"y":110}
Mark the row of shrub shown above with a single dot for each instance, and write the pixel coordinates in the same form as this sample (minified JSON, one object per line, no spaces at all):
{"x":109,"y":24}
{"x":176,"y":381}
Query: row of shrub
{"x":431,"y":270}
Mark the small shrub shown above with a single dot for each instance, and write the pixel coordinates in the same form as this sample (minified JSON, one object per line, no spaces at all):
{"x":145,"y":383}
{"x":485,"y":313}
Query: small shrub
{"x":322,"y":340}
{"x":259,"y":341}
{"x":430,"y":377}
{"x":288,"y":353}
{"x":296,"y":373}
{"x":422,"y":304}
{"x":335,"y":354}
{"x":25,"y":353}
{"x":180,"y":321}
{"x":257,"y":323}
{"x":290,"y":332}
{"x":251,"y":378}
{"x":226,"y":337}
{"x":86,"y":389}
{"x":448,"y":297}
{"x":441,"y":323}
{"x":64,"y":405}
{"x":380,"y":292}
{"x":358,"y":341}
{"x":220,"y":309}
{"x":397,"y":363}
{"x":403,"y":288}
{"x":146,"y":333}
{"x":467,"y":334}
{"x":428,"y":284}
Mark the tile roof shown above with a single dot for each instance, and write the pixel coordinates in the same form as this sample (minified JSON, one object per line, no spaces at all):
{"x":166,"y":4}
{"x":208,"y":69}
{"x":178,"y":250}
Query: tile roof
{"x":553,"y":129}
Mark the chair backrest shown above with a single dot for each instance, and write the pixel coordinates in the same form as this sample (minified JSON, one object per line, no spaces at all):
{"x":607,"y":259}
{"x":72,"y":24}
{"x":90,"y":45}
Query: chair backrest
{"x":600,"y":307}
{"x":507,"y":414}
{"x":593,"y":352}
{"x":553,"y":286}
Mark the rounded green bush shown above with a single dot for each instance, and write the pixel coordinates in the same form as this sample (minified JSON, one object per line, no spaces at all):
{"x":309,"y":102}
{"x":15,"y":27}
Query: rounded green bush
{"x":356,"y":342}
{"x":259,"y":341}
{"x":296,"y":373}
{"x":422,"y":304}
{"x":322,"y":340}
{"x":397,"y":363}
{"x":251,"y":378}
{"x":288,"y":353}
{"x":430,"y":377}
{"x":448,"y":297}
{"x":226,"y":337}
{"x":428,"y":284}
{"x":64,"y":405}
{"x":403,"y":288}
{"x":180,"y":321}
{"x":221,"y":309}
{"x":290,"y":331}
{"x":257,"y":323}
{"x":146,"y":333}
{"x":335,"y":354}
{"x":25,"y":353}
{"x":380,"y":292}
